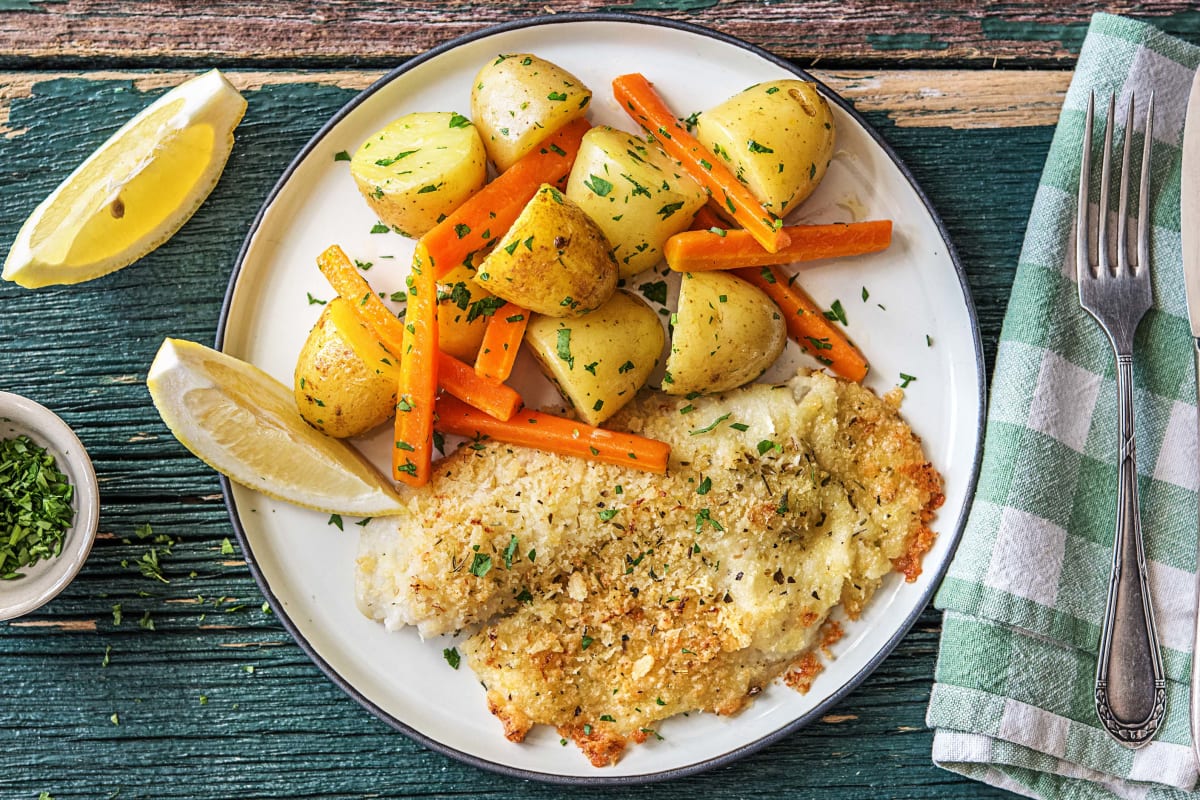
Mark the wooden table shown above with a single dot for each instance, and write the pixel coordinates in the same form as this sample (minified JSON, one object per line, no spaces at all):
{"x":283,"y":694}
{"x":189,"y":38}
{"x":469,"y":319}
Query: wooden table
{"x":194,"y":690}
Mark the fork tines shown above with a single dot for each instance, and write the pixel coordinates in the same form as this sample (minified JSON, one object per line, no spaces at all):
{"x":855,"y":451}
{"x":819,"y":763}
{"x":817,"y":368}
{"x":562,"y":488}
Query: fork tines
{"x":1102,"y":264}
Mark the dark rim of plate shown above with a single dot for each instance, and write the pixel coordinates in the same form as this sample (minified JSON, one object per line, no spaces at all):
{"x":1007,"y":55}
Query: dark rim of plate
{"x":735,"y":753}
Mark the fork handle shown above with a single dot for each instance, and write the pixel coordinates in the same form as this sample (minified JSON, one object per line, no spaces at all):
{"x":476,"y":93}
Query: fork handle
{"x":1130,"y":686}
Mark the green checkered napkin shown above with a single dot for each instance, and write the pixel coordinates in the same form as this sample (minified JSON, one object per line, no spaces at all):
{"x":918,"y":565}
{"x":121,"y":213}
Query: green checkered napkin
{"x":1013,"y":699}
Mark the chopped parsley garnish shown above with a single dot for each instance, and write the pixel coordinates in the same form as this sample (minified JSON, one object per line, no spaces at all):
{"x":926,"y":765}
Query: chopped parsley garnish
{"x":655,"y":291}
{"x":510,"y":552}
{"x":341,"y":155}
{"x":481,"y":565}
{"x":379,"y":227}
{"x":586,"y":642}
{"x":459,"y":121}
{"x":336,"y":521}
{"x":35,"y":506}
{"x":836,"y":313}
{"x":607,"y":514}
{"x":563,"y":348}
{"x":710,"y":427}
{"x":556,"y":97}
{"x":702,"y":517}
{"x":598,"y":185}
{"x":705,"y":485}
{"x":315,"y":301}
{"x":907,"y":379}
{"x":767,"y":444}
{"x":669,"y":209}
{"x":387,"y":162}
{"x":452,"y":657}
{"x":755,"y":147}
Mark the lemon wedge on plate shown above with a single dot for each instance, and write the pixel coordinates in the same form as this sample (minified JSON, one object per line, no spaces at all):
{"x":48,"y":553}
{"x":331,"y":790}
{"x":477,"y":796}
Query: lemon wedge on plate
{"x":244,"y":424}
{"x":133,"y":193}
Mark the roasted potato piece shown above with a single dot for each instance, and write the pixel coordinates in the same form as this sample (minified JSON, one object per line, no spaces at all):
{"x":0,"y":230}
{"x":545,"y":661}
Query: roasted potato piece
{"x":635,"y":193}
{"x":726,"y":334}
{"x":518,"y":100}
{"x":777,"y":137}
{"x":554,"y":260}
{"x":420,"y":168}
{"x":336,"y":391}
{"x":600,"y":360}
{"x":464,"y":308}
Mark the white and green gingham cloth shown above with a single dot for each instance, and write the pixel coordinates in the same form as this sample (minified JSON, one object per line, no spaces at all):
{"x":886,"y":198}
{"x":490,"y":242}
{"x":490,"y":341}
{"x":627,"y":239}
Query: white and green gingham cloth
{"x":1013,"y":701}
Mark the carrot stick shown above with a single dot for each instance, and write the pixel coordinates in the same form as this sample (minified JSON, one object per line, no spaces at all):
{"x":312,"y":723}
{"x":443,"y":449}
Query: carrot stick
{"x":637,"y":96}
{"x":706,"y":219}
{"x":555,"y":434}
{"x":454,"y":376}
{"x":412,"y":456}
{"x":488,"y":214}
{"x":346,"y":280}
{"x":501,"y":340}
{"x":807,"y":324}
{"x":698,"y":251}
{"x":487,"y":394}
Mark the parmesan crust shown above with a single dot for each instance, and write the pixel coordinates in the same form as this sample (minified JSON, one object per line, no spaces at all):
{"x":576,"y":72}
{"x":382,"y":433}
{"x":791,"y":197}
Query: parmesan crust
{"x":605,"y":599}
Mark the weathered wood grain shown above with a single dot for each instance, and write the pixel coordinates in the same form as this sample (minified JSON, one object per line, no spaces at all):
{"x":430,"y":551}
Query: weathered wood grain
{"x":855,"y":33}
{"x":910,"y":98}
{"x":193,"y":720}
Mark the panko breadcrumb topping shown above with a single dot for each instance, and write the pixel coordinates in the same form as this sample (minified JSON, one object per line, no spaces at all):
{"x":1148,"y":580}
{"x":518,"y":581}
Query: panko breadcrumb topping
{"x":604,"y":600}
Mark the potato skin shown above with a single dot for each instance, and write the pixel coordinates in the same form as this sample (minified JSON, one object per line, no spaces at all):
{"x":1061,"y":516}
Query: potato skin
{"x":419,"y":168}
{"x":777,"y":137}
{"x":336,"y":391}
{"x":726,"y":334}
{"x":635,"y":193}
{"x":518,"y":100}
{"x":554,"y":259}
{"x":603,"y":358}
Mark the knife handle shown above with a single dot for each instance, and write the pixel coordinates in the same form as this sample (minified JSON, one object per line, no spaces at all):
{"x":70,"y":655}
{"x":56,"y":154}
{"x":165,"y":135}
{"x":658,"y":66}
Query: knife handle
{"x":1130,"y":685}
{"x":1194,"y":703}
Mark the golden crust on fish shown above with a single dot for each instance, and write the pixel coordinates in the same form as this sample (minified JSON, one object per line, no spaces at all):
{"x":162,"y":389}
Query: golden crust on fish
{"x":609,"y":599}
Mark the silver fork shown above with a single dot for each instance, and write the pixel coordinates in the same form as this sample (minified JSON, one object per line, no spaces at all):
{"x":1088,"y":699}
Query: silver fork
{"x":1130,"y":687}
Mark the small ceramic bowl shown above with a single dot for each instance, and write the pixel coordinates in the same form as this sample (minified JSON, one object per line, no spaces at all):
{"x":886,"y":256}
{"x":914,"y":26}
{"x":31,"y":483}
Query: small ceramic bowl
{"x":48,"y":577}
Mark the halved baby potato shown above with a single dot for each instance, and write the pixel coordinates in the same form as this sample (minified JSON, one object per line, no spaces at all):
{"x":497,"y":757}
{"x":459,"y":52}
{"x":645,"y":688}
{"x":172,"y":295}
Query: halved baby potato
{"x":635,"y":192}
{"x":600,"y":360}
{"x":519,"y":99}
{"x":776,"y":137}
{"x":726,"y":334}
{"x":419,"y":168}
{"x":336,"y":391}
{"x":553,"y":260}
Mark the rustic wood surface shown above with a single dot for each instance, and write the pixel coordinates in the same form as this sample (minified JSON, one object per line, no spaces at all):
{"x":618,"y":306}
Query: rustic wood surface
{"x":216,"y":700}
{"x":842,"y":32}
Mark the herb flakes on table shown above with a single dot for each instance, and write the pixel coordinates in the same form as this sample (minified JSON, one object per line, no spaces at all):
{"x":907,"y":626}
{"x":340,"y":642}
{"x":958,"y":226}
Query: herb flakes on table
{"x":35,"y":506}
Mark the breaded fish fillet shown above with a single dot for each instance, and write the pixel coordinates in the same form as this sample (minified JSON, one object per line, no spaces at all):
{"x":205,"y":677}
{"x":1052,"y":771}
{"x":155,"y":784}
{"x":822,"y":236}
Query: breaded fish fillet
{"x":609,"y":599}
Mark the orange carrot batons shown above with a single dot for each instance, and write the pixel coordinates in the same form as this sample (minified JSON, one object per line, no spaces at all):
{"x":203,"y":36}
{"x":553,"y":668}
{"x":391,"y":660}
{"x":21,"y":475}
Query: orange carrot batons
{"x":807,"y":324}
{"x":488,"y":214}
{"x":637,"y":96}
{"x":701,"y":250}
{"x":486,"y":394}
{"x":501,"y":340}
{"x":554,"y":434}
{"x":412,"y":455}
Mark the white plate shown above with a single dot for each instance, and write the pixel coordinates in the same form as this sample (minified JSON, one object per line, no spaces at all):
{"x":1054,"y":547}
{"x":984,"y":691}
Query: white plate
{"x":917,"y":289}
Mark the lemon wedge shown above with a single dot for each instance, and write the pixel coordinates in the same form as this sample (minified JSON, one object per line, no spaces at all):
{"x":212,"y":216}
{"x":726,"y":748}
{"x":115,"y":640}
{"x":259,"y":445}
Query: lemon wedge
{"x":133,"y":193}
{"x":244,"y":424}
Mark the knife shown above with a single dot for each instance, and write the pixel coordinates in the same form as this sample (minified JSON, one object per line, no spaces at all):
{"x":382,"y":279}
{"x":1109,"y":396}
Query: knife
{"x":1189,"y":207}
